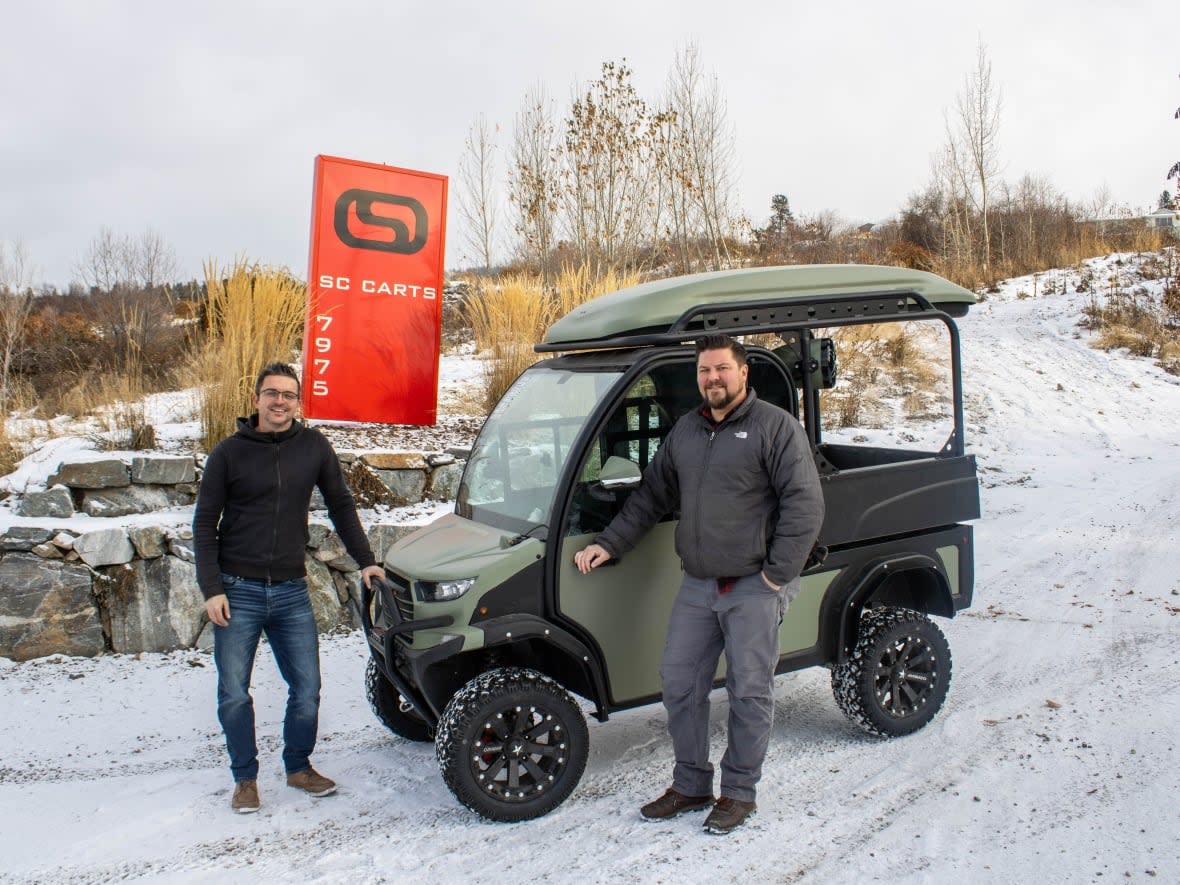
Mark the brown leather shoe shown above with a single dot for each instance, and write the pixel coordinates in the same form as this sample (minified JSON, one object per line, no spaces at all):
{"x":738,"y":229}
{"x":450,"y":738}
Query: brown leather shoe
{"x":245,"y":799}
{"x":311,"y":782}
{"x":728,"y":814}
{"x":673,"y":803}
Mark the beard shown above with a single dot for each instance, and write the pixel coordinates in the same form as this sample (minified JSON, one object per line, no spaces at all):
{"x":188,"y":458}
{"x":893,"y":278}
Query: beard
{"x":719,"y":398}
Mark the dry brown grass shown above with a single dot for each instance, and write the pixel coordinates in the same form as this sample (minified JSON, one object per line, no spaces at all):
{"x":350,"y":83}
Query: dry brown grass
{"x":10,"y":452}
{"x":507,"y":317}
{"x":882,"y":362}
{"x":509,"y":314}
{"x":1125,"y":316}
{"x":254,"y":316}
{"x":577,"y":285}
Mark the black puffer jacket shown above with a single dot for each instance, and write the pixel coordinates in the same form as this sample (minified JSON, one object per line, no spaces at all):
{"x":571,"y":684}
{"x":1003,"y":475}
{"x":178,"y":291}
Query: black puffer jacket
{"x":251,"y":514}
{"x":748,"y":492}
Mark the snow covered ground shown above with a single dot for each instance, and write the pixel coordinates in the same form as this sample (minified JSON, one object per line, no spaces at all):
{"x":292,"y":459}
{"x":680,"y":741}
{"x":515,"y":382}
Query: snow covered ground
{"x":1054,"y":760}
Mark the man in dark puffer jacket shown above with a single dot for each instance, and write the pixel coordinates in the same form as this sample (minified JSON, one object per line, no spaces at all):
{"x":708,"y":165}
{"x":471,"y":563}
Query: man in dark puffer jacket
{"x":250,"y":533}
{"x":742,"y":473}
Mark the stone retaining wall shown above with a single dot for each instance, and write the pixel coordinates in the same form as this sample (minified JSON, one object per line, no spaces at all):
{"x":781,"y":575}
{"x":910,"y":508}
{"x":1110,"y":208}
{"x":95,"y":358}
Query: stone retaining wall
{"x":133,"y":588}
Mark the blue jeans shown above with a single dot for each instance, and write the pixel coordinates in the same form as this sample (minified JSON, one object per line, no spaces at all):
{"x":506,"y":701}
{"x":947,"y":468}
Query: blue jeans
{"x":283,"y":612}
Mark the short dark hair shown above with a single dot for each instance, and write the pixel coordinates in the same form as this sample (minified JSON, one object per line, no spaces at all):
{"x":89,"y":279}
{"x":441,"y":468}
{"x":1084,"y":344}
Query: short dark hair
{"x":283,"y":369}
{"x":722,"y":342}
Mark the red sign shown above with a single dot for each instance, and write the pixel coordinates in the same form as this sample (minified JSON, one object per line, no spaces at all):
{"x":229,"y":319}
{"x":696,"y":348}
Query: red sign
{"x":374,"y":292}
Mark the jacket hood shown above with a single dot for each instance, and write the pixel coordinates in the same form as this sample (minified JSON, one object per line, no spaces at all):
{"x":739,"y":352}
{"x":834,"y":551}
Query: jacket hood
{"x":248,"y":429}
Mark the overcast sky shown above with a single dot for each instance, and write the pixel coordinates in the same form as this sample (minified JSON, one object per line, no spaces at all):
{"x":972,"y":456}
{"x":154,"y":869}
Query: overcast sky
{"x":201,"y":121}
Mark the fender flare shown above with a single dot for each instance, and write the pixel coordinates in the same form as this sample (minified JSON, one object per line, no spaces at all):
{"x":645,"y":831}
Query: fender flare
{"x":512,"y":629}
{"x":876,"y":575}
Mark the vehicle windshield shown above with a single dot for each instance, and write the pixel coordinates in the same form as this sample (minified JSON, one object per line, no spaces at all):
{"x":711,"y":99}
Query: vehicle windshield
{"x":519,"y":455}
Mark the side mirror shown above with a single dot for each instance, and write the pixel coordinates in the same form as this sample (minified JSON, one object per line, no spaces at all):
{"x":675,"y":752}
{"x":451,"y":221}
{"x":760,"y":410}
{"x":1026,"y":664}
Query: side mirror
{"x":617,"y":474}
{"x":620,"y":473}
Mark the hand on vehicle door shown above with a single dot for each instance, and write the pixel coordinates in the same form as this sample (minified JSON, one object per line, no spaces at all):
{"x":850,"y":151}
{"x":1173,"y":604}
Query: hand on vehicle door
{"x":590,"y":557}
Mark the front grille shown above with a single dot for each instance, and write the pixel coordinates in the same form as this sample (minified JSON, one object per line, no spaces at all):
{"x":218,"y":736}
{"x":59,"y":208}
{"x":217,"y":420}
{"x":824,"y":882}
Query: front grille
{"x":403,"y":599}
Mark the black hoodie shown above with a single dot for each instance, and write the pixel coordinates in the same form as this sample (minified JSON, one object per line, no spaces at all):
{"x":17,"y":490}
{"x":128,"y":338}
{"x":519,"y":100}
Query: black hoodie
{"x":251,"y":514}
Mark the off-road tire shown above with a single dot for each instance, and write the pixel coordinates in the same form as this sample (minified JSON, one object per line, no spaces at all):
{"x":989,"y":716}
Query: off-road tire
{"x":387,"y":705}
{"x":897,"y":677}
{"x":512,"y":744}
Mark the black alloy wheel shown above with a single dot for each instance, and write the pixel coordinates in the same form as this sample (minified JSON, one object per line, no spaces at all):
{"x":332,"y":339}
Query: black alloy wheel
{"x":512,"y":744}
{"x":897,"y":677}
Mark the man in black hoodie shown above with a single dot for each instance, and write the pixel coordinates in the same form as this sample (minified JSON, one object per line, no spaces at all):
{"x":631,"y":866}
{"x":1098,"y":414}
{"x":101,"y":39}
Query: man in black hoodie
{"x":250,"y":533}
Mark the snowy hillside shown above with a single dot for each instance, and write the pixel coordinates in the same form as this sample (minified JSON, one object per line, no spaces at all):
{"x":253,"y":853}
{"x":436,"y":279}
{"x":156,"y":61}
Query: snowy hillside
{"x":1054,"y":760}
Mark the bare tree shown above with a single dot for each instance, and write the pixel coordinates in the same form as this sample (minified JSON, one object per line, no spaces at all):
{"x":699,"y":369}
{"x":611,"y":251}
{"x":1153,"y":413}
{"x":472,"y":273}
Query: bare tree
{"x":532,"y":184}
{"x":977,"y":118}
{"x":103,"y":265}
{"x":114,"y":261}
{"x":610,"y":157}
{"x":16,"y":302}
{"x":698,"y":180}
{"x":477,"y":202}
{"x":151,"y":260}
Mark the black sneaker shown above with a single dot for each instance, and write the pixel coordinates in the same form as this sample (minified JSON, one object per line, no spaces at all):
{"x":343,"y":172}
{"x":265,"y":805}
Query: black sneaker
{"x":728,"y":814}
{"x":673,"y":803}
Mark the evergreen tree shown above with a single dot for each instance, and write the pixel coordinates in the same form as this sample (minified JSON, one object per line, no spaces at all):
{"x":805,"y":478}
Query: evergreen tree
{"x":781,"y":217}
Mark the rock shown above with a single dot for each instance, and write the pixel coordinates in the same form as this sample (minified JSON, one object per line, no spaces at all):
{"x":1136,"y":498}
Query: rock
{"x":148,"y":541}
{"x":163,"y":470}
{"x":329,"y":614}
{"x":182,"y":549}
{"x":317,"y":534}
{"x":23,"y":538}
{"x":332,"y":551}
{"x":443,"y":484}
{"x":46,"y":608}
{"x":348,"y":588}
{"x":438,"y":459}
{"x":382,"y":537}
{"x":64,"y":540}
{"x":105,"y":474}
{"x":133,"y":499}
{"x":407,"y":486}
{"x":54,"y":502}
{"x":104,"y":547}
{"x":394,"y":460}
{"x":49,"y":551}
{"x":155,"y":605}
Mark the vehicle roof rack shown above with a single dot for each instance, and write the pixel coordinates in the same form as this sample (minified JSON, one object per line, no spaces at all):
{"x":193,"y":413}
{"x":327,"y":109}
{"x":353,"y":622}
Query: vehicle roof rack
{"x":752,"y":301}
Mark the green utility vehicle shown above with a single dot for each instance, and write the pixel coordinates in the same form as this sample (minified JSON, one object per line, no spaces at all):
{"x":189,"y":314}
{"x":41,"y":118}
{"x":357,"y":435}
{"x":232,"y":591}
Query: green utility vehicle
{"x":485,"y":630}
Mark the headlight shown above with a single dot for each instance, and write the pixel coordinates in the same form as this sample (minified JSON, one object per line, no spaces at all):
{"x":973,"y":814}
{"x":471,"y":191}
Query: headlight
{"x":440,"y":591}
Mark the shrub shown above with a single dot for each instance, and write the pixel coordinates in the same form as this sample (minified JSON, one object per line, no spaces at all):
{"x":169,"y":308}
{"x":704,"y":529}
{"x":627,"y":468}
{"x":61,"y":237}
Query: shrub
{"x":254,"y":316}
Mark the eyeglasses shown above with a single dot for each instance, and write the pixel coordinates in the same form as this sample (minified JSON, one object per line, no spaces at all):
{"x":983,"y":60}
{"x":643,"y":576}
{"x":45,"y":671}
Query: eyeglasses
{"x":270,"y":393}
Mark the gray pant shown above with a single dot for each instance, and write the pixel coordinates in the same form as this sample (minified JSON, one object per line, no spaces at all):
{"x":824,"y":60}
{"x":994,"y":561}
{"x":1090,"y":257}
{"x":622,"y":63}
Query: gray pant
{"x":743,"y":623}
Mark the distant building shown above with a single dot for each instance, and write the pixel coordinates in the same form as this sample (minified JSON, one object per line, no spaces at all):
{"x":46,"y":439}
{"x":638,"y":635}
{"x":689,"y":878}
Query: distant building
{"x":1165,"y":220}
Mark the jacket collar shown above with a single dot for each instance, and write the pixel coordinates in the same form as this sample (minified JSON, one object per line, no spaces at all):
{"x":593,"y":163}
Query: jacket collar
{"x":742,"y":408}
